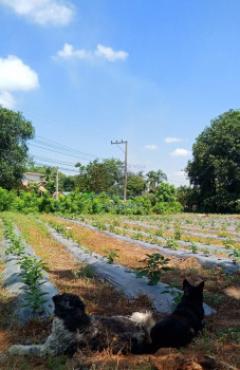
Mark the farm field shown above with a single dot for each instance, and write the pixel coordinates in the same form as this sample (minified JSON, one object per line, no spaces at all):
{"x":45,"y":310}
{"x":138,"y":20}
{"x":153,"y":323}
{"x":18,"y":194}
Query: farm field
{"x":125,"y":242}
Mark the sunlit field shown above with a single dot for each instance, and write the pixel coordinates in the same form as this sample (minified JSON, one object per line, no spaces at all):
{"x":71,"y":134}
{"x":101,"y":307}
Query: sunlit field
{"x":195,"y":246}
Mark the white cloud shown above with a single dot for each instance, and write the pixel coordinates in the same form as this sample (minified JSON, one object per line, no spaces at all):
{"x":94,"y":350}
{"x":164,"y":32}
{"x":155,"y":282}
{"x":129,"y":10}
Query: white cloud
{"x":70,"y":52}
{"x":151,"y":147}
{"x":171,"y":140}
{"x":180,"y":152}
{"x":53,"y":12}
{"x":7,"y":100}
{"x":108,"y":53}
{"x":15,"y":76}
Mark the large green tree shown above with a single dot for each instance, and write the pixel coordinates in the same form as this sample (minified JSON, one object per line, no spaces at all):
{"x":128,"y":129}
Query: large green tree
{"x":15,"y":130}
{"x":136,"y":184}
{"x":154,"y":179}
{"x":105,"y":176}
{"x":215,"y":168}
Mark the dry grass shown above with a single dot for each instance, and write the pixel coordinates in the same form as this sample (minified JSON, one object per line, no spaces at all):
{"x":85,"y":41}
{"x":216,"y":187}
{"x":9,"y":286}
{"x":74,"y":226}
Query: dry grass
{"x":129,"y":254}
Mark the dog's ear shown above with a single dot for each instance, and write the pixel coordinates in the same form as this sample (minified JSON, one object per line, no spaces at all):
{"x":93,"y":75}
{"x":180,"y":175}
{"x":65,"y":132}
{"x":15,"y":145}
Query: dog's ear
{"x":186,"y":284}
{"x":55,"y":298}
{"x":201,"y":286}
{"x":187,"y":287}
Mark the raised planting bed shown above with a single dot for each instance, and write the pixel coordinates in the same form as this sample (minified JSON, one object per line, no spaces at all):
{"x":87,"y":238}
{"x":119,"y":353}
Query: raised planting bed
{"x":24,"y":277}
{"x":217,"y":237}
{"x":209,"y":261}
{"x":204,"y":249}
{"x":162,"y":296}
{"x":138,"y":234}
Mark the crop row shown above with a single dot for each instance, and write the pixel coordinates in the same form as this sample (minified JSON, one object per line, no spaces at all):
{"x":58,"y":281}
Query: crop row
{"x":32,"y":269}
{"x":201,"y":251}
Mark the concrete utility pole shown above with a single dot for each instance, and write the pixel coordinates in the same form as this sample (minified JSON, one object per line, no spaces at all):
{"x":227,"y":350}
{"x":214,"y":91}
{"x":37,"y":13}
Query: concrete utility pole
{"x":57,"y":183}
{"x":125,"y":165}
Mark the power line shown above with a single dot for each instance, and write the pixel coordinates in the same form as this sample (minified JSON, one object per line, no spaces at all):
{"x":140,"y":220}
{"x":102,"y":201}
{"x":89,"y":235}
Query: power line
{"x":56,"y":145}
{"x":55,"y":151}
{"x":61,"y":168}
{"x":53,"y":161}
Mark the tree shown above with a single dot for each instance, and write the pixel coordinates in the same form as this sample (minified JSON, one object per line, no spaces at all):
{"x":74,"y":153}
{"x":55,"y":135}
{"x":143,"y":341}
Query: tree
{"x":215,"y":168}
{"x":15,"y":130}
{"x":97,"y":177}
{"x":154,"y":179}
{"x":136,"y":184}
{"x":166,"y":193}
{"x":188,"y":197}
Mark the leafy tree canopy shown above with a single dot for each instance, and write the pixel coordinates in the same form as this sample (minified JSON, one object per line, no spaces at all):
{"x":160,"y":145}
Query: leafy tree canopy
{"x":154,"y":179}
{"x":215,"y":168}
{"x":104,"y":176}
{"x":15,"y":130}
{"x":136,"y":184}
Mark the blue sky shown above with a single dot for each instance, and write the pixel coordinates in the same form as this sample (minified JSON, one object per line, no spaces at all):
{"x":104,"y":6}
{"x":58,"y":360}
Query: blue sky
{"x":151,"y":72}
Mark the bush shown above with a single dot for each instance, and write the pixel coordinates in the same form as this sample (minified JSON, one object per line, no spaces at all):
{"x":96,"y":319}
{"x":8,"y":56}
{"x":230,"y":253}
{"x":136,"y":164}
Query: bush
{"x":167,"y":207}
{"x":6,"y":199}
{"x":88,"y":203}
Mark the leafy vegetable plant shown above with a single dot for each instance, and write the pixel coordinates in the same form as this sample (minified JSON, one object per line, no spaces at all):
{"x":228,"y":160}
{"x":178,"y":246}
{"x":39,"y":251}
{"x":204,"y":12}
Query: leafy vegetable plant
{"x":154,"y":265}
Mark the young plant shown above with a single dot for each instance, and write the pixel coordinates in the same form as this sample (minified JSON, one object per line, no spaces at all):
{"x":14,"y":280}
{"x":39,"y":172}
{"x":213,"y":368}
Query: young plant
{"x":172,"y":244}
{"x":177,"y":233}
{"x":236,"y":255}
{"x":32,"y":275}
{"x":15,"y":246}
{"x":112,"y":228}
{"x":154,"y":265}
{"x":159,"y":232}
{"x":86,"y":271}
{"x":194,"y":248}
{"x":111,"y":256}
{"x":206,"y":251}
{"x":229,"y":243}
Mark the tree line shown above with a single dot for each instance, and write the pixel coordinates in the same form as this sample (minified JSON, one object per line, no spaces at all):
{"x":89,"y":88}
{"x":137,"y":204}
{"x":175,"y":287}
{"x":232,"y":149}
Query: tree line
{"x":213,"y":172}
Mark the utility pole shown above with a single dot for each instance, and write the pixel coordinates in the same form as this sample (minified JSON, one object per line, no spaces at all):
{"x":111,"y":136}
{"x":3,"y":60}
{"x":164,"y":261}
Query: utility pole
{"x":125,"y":165}
{"x":57,"y":183}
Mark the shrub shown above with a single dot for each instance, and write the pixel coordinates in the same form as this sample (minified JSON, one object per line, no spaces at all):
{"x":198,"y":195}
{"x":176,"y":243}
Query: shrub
{"x":167,"y":207}
{"x":6,"y":199}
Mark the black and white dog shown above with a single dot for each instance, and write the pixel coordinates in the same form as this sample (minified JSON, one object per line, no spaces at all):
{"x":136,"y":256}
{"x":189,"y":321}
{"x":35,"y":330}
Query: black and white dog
{"x":73,"y":328}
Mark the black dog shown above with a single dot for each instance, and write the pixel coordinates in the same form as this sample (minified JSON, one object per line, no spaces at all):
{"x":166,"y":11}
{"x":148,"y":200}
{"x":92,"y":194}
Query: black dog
{"x":178,"y":329}
{"x":72,"y":328}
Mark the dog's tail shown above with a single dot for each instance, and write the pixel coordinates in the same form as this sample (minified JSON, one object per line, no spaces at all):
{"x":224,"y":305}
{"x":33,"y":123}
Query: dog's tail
{"x":143,"y":319}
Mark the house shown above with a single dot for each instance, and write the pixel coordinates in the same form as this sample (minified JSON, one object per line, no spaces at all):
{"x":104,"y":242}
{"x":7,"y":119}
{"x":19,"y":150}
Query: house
{"x":34,"y":178}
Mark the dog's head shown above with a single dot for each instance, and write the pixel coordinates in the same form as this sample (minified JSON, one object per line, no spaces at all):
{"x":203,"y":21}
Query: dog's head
{"x":71,"y":309}
{"x":193,"y":293}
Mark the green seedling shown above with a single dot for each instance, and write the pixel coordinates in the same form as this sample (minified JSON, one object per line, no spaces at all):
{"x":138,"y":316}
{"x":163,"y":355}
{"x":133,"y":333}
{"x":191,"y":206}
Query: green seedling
{"x":159,"y":232}
{"x":177,"y":233}
{"x":86,"y":271}
{"x":194,"y":248}
{"x":236,"y":255}
{"x":111,"y":256}
{"x":154,"y":265}
{"x":172,"y":244}
{"x":229,"y":243}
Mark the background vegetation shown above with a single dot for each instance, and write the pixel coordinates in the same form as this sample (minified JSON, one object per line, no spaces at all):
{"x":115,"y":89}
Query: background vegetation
{"x":214,"y":174}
